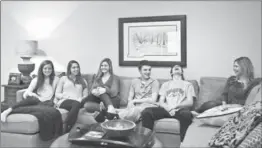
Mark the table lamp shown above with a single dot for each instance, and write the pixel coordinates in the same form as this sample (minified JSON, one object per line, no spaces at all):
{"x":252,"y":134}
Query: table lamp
{"x":26,"y":49}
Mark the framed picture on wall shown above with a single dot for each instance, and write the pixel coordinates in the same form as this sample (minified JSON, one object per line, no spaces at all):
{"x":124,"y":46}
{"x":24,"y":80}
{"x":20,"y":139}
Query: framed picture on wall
{"x":14,"y":79}
{"x":159,"y":39}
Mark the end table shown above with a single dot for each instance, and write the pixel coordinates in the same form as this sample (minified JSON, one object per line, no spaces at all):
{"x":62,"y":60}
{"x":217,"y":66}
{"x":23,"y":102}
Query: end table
{"x":10,"y":93}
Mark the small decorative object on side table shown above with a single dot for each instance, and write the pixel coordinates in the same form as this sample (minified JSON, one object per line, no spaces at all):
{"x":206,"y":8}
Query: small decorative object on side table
{"x":10,"y":93}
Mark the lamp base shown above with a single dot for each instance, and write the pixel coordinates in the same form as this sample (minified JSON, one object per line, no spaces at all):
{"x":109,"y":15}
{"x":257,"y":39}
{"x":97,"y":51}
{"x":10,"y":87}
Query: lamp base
{"x":26,"y":69}
{"x":26,"y":79}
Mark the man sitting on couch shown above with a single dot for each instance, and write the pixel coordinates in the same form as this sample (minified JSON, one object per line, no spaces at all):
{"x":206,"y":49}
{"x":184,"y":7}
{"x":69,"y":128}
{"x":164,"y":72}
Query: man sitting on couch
{"x":143,"y":93}
{"x":176,"y":97}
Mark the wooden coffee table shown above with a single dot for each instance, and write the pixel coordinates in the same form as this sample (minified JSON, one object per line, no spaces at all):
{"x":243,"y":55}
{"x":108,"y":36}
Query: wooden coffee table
{"x":63,"y":141}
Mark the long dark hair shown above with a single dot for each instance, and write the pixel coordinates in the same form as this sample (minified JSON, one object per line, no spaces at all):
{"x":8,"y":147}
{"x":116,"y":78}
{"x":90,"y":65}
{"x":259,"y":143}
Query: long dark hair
{"x":182,"y":75}
{"x":40,"y":74}
{"x":79,"y":79}
{"x":109,"y":62}
{"x":246,"y":67}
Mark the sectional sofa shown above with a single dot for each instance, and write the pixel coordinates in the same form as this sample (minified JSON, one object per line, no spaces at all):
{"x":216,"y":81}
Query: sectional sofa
{"x":24,"y":130}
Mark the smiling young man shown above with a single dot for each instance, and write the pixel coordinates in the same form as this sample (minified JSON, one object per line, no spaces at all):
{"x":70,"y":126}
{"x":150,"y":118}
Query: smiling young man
{"x":142,"y":94}
{"x":176,"y":97}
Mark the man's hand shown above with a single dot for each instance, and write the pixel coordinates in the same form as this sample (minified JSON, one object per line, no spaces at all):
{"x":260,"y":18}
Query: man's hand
{"x":172,"y":112}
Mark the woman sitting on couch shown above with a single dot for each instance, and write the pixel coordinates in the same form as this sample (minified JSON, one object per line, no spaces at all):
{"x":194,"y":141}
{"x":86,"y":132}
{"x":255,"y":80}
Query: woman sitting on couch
{"x":40,"y":91}
{"x":105,"y":89}
{"x":70,"y":91}
{"x":237,"y":87}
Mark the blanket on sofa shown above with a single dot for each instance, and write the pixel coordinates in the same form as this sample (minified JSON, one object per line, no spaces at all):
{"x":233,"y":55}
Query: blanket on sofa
{"x":49,"y":120}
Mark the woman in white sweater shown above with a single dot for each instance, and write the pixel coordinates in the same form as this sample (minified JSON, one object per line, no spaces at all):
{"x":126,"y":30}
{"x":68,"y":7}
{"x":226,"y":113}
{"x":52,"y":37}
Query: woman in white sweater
{"x":70,"y":91}
{"x":40,"y":91}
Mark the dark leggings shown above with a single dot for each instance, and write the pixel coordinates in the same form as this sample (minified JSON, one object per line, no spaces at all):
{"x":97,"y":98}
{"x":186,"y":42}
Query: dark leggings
{"x":72,"y":106}
{"x":32,"y":101}
{"x":91,"y":102}
{"x":150,"y":115}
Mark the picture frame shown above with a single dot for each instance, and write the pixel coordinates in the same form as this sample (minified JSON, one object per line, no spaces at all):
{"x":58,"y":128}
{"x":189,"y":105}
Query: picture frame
{"x":159,"y":39}
{"x":14,"y":79}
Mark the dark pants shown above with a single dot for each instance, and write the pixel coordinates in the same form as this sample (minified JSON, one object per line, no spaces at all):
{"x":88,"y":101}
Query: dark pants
{"x":72,"y":106}
{"x":150,"y":115}
{"x":207,"y":105}
{"x":32,"y":101}
{"x":92,"y":102}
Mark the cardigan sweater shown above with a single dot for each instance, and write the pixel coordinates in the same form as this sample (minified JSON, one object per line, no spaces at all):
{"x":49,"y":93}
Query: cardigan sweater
{"x":235,"y":93}
{"x":112,"y":86}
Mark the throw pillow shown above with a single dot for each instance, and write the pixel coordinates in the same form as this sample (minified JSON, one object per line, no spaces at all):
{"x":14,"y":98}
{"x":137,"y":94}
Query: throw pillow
{"x":232,"y":133}
{"x":253,"y":139}
{"x":218,"y":115}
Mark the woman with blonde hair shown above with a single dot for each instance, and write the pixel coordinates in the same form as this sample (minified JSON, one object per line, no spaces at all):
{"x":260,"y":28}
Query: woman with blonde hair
{"x":237,"y":87}
{"x":105,"y":89}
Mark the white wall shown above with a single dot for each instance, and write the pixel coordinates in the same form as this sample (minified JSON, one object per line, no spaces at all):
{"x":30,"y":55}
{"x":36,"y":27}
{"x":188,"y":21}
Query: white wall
{"x":217,"y":33}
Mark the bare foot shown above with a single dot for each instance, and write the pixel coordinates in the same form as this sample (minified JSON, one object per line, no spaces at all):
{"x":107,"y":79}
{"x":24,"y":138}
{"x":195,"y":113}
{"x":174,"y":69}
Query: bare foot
{"x":111,"y":109}
{"x":3,"y":117}
{"x":5,"y":113}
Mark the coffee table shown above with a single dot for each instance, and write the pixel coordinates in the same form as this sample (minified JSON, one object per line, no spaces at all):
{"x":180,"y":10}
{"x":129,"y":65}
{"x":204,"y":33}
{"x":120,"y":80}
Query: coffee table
{"x":63,"y":141}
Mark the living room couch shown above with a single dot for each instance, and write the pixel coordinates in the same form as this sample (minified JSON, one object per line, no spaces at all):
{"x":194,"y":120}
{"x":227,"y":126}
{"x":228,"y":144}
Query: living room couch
{"x":23,"y":128}
{"x":199,"y":134}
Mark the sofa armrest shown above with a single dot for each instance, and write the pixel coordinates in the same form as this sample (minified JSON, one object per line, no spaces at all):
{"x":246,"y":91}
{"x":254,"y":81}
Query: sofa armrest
{"x":19,"y":95}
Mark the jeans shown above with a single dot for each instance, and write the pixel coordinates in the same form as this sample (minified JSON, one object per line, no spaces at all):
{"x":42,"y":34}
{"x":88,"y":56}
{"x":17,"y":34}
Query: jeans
{"x":91,"y":102}
{"x":72,"y":106}
{"x":150,"y":115}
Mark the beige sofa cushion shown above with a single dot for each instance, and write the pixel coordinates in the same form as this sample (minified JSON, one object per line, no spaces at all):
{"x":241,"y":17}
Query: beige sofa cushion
{"x":211,"y":88}
{"x":20,"y":123}
{"x":89,"y":79}
{"x":125,"y":83}
{"x":198,"y":135}
{"x":167,"y":125}
{"x":24,"y":123}
{"x":254,"y":95}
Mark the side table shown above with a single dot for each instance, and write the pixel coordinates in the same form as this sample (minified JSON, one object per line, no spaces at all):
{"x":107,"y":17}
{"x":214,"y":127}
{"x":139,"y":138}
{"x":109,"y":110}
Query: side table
{"x":10,"y":93}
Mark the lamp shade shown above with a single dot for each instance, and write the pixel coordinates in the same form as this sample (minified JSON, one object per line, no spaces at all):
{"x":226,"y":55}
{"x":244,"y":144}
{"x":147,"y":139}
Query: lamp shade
{"x":27,"y":48}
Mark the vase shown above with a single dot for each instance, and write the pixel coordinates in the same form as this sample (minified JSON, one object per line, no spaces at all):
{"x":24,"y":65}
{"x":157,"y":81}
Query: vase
{"x":26,"y":67}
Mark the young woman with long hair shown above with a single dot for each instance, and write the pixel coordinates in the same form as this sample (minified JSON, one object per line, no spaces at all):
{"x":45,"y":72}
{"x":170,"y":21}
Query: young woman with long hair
{"x":105,"y":89}
{"x":70,"y":91}
{"x":40,"y":91}
{"x":237,"y":86}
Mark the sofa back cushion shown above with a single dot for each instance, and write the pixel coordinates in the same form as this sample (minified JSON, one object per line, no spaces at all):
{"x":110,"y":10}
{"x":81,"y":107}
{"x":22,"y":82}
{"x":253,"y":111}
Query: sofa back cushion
{"x":89,"y":79}
{"x":254,"y":95}
{"x":125,"y":83}
{"x":210,"y":89}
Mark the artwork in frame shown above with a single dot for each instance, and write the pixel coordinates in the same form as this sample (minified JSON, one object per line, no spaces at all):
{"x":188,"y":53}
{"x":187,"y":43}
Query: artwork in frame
{"x":14,"y":79}
{"x":159,"y":39}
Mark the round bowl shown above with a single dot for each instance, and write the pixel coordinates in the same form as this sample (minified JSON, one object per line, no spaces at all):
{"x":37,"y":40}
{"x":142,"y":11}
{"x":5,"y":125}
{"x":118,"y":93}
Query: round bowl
{"x":118,"y":128}
{"x":26,"y":69}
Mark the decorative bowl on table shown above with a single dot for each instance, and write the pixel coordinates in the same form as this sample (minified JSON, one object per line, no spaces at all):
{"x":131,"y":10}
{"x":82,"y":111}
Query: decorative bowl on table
{"x":119,"y":128}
